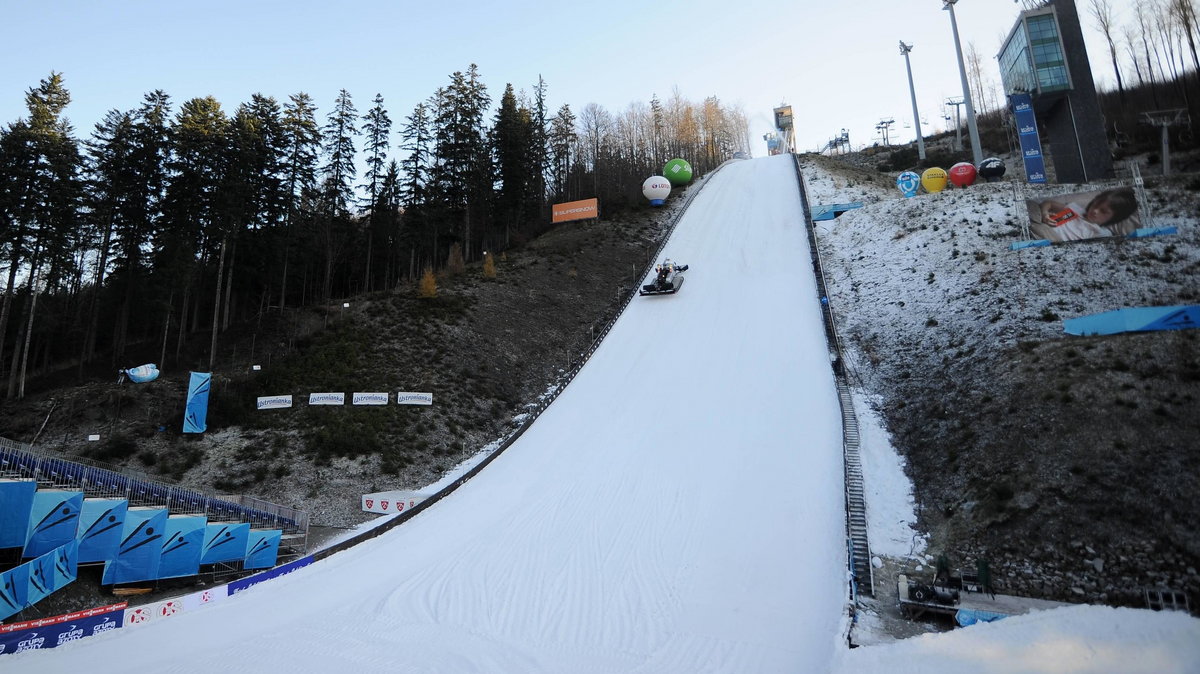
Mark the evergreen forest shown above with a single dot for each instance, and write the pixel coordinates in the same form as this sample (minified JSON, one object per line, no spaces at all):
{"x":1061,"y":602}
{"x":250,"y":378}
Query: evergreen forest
{"x":169,"y":223}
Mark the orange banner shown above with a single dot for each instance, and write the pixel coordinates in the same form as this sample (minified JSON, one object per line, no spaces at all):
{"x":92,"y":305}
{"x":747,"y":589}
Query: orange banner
{"x":576,"y":210}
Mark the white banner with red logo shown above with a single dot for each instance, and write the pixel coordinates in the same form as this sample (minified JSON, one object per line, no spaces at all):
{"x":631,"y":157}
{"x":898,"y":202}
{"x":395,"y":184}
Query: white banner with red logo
{"x":148,"y":613}
{"x":391,"y":502}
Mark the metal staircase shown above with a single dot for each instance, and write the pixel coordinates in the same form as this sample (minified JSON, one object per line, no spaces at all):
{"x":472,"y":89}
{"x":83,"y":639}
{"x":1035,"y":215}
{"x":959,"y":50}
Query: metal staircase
{"x":858,"y":548}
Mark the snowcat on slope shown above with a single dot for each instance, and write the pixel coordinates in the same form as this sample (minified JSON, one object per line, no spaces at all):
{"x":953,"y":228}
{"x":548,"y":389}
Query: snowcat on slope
{"x":667,"y":280}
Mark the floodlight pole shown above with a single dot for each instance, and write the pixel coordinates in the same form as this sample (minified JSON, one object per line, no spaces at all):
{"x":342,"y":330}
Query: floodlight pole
{"x":976,"y":150}
{"x":905,"y":49}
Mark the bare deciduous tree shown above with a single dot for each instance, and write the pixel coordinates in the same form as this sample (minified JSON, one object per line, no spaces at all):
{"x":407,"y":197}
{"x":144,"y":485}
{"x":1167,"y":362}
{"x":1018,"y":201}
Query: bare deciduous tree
{"x":1102,"y":11}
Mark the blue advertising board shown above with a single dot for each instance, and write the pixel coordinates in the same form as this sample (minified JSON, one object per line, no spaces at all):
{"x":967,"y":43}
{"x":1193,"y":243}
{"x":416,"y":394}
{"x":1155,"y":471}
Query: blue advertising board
{"x":244,"y":583}
{"x":53,"y":520}
{"x":16,"y":504}
{"x":56,"y":631}
{"x":1031,"y":142}
{"x":224,"y":542}
{"x":183,"y":542}
{"x":101,"y":524}
{"x":140,"y":552}
{"x":195,"y":414}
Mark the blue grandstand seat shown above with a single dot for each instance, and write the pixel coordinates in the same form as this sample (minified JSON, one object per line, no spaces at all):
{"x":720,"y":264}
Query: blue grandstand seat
{"x":109,"y":482}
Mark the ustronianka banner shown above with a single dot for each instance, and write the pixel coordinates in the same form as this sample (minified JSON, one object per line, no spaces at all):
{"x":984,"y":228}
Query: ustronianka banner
{"x":370,"y":399}
{"x":195,"y":415}
{"x":326,"y":398}
{"x":274,"y":402}
{"x":1031,"y":143}
{"x":406,"y":398}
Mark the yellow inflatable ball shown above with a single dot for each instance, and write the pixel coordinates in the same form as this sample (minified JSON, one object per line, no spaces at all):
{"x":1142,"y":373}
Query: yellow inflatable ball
{"x":933,"y":179}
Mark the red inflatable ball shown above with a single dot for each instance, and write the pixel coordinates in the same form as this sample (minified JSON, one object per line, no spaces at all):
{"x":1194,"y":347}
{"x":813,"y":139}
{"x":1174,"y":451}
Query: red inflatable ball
{"x":962,"y":174}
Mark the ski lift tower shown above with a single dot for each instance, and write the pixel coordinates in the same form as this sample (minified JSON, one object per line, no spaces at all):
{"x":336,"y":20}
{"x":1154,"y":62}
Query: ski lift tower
{"x":783,"y":122}
{"x":1165,"y":119}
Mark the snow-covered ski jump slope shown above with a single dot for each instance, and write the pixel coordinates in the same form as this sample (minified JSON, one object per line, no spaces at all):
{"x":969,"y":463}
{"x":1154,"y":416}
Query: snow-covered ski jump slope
{"x":679,"y":508}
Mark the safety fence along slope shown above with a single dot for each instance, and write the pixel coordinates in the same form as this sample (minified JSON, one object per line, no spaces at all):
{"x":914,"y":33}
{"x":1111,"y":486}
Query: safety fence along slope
{"x":857,"y":544}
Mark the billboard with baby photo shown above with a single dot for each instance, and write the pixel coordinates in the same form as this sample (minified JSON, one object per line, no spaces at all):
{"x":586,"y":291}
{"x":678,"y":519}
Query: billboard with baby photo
{"x":1084,"y":215}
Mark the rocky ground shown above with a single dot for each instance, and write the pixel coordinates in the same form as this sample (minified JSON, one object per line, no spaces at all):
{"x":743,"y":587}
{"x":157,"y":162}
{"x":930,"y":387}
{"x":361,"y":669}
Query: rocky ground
{"x":1071,"y":464}
{"x":1068,"y":462}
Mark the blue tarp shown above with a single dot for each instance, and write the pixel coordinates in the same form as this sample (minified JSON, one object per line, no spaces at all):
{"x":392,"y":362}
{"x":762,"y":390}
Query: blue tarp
{"x":1036,"y":243}
{"x":1144,"y":232}
{"x":16,"y":502}
{"x":225,"y":543}
{"x":195,"y":413}
{"x":41,"y":577}
{"x":141,"y":549}
{"x":142,"y":373}
{"x":14,"y":590}
{"x":66,"y":564}
{"x":100,"y":527}
{"x":831,"y":211}
{"x":1135,"y":319}
{"x":53,"y":520}
{"x":970,"y":616}
{"x":181,"y":546}
{"x":262,"y":549}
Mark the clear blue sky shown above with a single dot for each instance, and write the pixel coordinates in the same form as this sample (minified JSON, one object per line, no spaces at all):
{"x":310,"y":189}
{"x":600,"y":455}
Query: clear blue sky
{"x":837,"y":63}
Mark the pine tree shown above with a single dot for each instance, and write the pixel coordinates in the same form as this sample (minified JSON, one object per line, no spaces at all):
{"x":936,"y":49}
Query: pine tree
{"x":153,"y":148}
{"x":301,"y":148}
{"x":512,"y":137}
{"x":196,"y":218}
{"x":562,"y":140}
{"x":377,"y":127}
{"x":387,"y":215}
{"x":538,"y":159}
{"x":461,"y":179}
{"x":338,"y":144}
{"x":416,"y":140}
{"x":111,"y":182}
{"x":40,"y":193}
{"x":336,"y":191}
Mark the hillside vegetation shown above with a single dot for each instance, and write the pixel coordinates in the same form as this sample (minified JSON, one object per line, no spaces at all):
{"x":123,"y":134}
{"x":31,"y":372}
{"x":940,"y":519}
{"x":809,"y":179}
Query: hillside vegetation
{"x":1071,"y":463}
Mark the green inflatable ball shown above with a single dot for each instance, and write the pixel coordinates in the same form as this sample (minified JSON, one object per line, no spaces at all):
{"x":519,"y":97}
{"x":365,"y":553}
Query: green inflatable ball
{"x":678,"y":172}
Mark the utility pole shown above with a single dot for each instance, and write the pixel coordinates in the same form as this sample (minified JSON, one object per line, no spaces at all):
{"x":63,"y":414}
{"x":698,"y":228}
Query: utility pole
{"x":905,"y":49}
{"x":976,"y":150}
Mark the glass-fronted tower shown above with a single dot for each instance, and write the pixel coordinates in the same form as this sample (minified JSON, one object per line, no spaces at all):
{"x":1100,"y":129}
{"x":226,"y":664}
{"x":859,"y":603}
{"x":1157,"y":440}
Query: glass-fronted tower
{"x":1045,"y":57}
